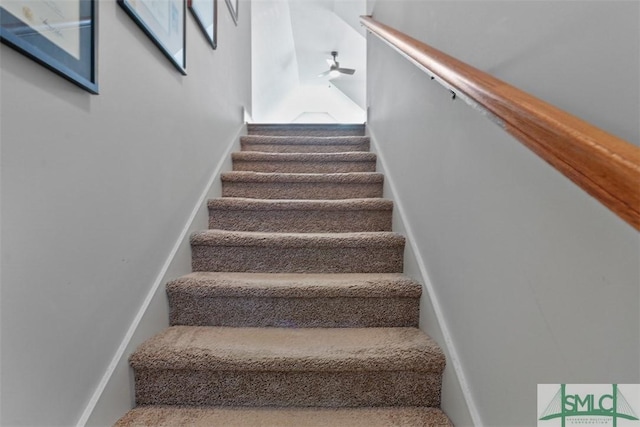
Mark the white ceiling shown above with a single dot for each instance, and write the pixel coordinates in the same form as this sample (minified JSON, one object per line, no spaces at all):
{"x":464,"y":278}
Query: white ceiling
{"x":292,"y":39}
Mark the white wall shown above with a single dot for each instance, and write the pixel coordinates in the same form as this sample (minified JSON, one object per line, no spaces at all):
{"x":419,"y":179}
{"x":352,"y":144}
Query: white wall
{"x":536,"y":281}
{"x":274,"y":62}
{"x":350,"y":11}
{"x":96,"y":194}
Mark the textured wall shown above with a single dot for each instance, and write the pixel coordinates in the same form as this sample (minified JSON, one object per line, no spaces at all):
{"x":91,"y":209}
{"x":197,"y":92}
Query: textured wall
{"x":537,"y":282}
{"x":95,"y":192}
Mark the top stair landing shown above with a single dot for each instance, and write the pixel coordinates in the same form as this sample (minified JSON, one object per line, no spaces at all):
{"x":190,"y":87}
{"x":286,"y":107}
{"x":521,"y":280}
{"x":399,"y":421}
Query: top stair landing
{"x":299,"y":129}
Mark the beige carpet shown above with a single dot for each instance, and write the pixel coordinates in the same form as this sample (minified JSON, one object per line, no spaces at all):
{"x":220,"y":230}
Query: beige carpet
{"x":164,"y":416}
{"x":304,"y":162}
{"x":297,"y":313}
{"x":259,"y":185}
{"x":294,"y":300}
{"x":220,"y":250}
{"x":290,"y":349}
{"x":304,"y":144}
{"x":300,"y":216}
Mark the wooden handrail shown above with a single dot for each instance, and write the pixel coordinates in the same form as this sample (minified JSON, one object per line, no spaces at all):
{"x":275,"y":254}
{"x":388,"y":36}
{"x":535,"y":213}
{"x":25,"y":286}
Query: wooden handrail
{"x":605,"y":166}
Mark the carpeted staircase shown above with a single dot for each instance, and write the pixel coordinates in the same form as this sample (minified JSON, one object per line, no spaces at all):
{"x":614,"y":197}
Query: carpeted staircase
{"x":297,"y":312}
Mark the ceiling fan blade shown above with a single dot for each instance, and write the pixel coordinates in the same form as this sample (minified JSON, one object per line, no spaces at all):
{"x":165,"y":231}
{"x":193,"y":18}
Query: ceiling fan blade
{"x":326,"y":73}
{"x":331,"y":62}
{"x":346,"y":70}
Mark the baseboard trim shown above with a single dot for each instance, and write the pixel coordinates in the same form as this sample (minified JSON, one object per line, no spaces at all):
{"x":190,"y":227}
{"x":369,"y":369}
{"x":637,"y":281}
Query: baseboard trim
{"x":425,"y":279}
{"x":159,"y":281}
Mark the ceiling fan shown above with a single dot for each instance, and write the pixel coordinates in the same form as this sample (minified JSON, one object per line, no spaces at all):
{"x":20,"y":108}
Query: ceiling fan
{"x":334,"y":68}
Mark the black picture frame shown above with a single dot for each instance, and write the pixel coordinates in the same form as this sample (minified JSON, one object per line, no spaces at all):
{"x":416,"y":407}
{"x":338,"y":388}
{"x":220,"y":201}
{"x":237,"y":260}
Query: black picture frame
{"x":61,"y":36}
{"x":207,"y":23}
{"x":233,"y":9}
{"x":164,"y":22}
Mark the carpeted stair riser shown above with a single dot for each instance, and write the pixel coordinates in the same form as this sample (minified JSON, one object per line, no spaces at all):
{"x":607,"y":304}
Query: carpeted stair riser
{"x":304,"y":144}
{"x":293,"y":312}
{"x":300,"y":216}
{"x":305,"y":130}
{"x":325,"y":389}
{"x":257,"y":185}
{"x":171,"y":416}
{"x":299,"y":301}
{"x":304,"y":162}
{"x":190,"y":365}
{"x":215,"y":250}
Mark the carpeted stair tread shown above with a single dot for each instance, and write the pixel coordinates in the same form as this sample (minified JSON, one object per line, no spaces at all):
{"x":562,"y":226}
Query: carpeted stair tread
{"x":319,"y":129}
{"x":349,"y":156}
{"x":294,"y":300}
{"x":300,"y":215}
{"x":304,"y":144}
{"x":304,"y":140}
{"x":289,"y":350}
{"x":236,"y":203}
{"x":333,"y":178}
{"x":315,"y":186}
{"x":296,"y":285}
{"x":304,"y":162}
{"x":173,"y":416}
{"x":288,"y":367}
{"x":296,"y":240}
{"x":257,"y":252}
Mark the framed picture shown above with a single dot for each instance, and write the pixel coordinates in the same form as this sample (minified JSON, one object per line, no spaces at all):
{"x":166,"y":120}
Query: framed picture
{"x":233,"y":8}
{"x":60,"y":35}
{"x":206,"y":14}
{"x":164,"y":22}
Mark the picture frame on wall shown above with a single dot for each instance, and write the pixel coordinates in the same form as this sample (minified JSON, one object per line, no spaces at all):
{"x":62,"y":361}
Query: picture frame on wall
{"x":205,"y":13}
{"x":164,"y":22}
{"x":60,"y":35}
{"x":233,"y":9}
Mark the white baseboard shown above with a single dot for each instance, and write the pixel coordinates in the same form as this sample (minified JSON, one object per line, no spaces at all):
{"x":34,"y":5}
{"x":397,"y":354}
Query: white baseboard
{"x":119,"y":363}
{"x":413,"y":255}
